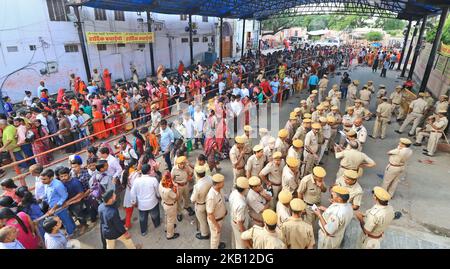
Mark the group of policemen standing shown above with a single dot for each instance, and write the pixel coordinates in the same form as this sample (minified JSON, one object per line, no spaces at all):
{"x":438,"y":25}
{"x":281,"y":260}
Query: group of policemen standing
{"x":278,"y":183}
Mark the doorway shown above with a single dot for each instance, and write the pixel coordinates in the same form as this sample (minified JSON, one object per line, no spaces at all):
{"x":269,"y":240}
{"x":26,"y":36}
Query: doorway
{"x":227,"y":40}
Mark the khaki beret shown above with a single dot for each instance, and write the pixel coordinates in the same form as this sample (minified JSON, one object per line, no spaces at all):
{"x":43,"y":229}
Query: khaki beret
{"x":331,"y":119}
{"x":323,"y":119}
{"x":351,"y":174}
{"x":247,"y":128}
{"x":242,"y":182}
{"x":316,"y":125}
{"x":335,"y":86}
{"x":358,"y":101}
{"x":257,"y":148}
{"x":263,"y":130}
{"x":314,"y":92}
{"x":307,"y":116}
{"x":293,"y":116}
{"x":442,"y":111}
{"x":239,"y":139}
{"x":284,"y":196}
{"x":218,"y":178}
{"x":297,"y":110}
{"x":319,"y":171}
{"x":340,"y":190}
{"x":271,"y":140}
{"x":444,"y":96}
{"x":370,"y":81}
{"x":200,"y":169}
{"x":381,"y":194}
{"x":405,"y":141}
{"x":421,"y":94}
{"x":297,"y":204}
{"x":277,"y":155}
{"x":334,"y":107}
{"x":181,"y":159}
{"x":351,"y":132}
{"x":307,"y":121}
{"x":283,"y":133}
{"x":350,"y":108}
{"x":398,"y":87}
{"x":254,"y":181}
{"x":356,"y":82}
{"x":303,"y":101}
{"x":320,"y":107}
{"x":292,"y":161}
{"x":270,"y":217}
{"x":298,"y":143}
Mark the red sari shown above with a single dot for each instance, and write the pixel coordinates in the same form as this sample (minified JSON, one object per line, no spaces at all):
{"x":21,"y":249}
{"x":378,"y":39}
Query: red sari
{"x":109,"y":122}
{"x":99,"y":125}
{"x":41,"y":145}
{"x":118,"y":118}
{"x":164,"y":101}
{"x":107,"y":79}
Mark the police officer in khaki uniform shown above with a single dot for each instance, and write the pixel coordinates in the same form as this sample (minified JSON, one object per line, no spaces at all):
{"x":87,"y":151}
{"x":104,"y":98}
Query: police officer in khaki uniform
{"x":350,"y":181}
{"x":281,"y":144}
{"x":380,"y":94}
{"x":257,"y":200}
{"x":296,"y":233}
{"x":334,"y":126}
{"x":290,"y":125}
{"x":376,"y":220}
{"x":360,"y":111}
{"x":396,"y":98}
{"x":271,"y":176}
{"x":398,"y":158}
{"x":302,"y":130}
{"x":248,"y":142}
{"x":283,"y":210}
{"x":296,"y":150}
{"x":437,"y":129}
{"x":320,"y":112}
{"x":182,"y":175}
{"x":352,"y":159}
{"x":442,"y":105}
{"x":256,"y":162}
{"x":311,"y":146}
{"x":298,"y":113}
{"x":417,"y":108}
{"x":269,"y":150}
{"x":310,"y":191}
{"x":290,"y":175}
{"x":266,"y":237}
{"x":265,"y":137}
{"x":310,"y":102}
{"x":304,"y":108}
{"x":322,"y":86}
{"x":352,"y":93}
{"x":216,"y":210}
{"x":237,"y":155}
{"x":334,"y":91}
{"x":384,"y":112}
{"x":238,"y":208}
{"x":169,"y":202}
{"x":334,"y":219}
{"x":370,"y":86}
{"x":198,"y":198}
{"x":365,"y":95}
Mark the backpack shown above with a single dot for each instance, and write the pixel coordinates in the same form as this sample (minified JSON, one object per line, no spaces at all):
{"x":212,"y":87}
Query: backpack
{"x":97,"y":189}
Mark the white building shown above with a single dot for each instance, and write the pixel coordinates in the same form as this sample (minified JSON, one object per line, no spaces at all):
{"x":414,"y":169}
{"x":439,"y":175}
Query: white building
{"x":38,"y":35}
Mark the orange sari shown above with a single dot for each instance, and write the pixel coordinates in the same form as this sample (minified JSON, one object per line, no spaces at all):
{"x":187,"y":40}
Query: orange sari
{"x":99,"y":125}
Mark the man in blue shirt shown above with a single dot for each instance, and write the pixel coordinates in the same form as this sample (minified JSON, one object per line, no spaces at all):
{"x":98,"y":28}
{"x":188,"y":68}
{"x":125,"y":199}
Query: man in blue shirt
{"x":166,"y":142}
{"x":236,"y":90}
{"x":275,"y":84}
{"x":54,"y":238}
{"x":8,"y":238}
{"x":75,"y":197}
{"x":312,"y":82}
{"x":92,"y":89}
{"x":55,"y":195}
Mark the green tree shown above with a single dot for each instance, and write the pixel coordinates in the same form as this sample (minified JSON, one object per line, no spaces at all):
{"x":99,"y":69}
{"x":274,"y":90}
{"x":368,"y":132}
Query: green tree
{"x":374,"y":36}
{"x":390,"y":24}
{"x":445,"y":33}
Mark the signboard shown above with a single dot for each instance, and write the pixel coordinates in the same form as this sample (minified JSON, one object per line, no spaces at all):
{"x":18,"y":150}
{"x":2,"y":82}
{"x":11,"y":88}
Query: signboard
{"x":119,"y":37}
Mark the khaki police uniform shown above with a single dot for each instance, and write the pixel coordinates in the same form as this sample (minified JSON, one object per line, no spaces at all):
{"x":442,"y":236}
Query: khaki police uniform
{"x":397,"y":164}
{"x":289,"y":180}
{"x":418,"y":108}
{"x":352,"y":92}
{"x":376,"y":221}
{"x":180,"y":177}
{"x":351,"y":159}
{"x":337,"y":217}
{"x":255,"y":165}
{"x":256,"y":205}
{"x":312,"y":194}
{"x":247,"y":148}
{"x":381,"y":92}
{"x":283,"y":213}
{"x":274,"y":174}
{"x":215,"y":204}
{"x":238,"y":208}
{"x":290,"y":128}
{"x":293,"y":153}
{"x":365,"y":96}
{"x":322,"y":86}
{"x":281,"y":146}
{"x":355,"y":191}
{"x":384,"y":112}
{"x":312,"y":143}
{"x":263,"y":239}
{"x":198,"y":197}
{"x":441,"y":106}
{"x":396,"y":100}
{"x":297,"y":234}
{"x":361,"y":112}
{"x":434,"y":134}
{"x":169,"y":203}
{"x":300,"y":133}
{"x":237,"y":163}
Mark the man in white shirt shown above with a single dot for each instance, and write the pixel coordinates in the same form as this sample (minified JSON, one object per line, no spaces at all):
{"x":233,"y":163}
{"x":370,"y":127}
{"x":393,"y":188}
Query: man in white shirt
{"x":144,"y":193}
{"x":244,"y":91}
{"x":199,"y":122}
{"x":287,"y":83}
{"x":236,"y":107}
{"x":114,"y":168}
{"x":222,"y":86}
{"x":40,"y":88}
{"x":42,"y":116}
{"x":188,"y":124}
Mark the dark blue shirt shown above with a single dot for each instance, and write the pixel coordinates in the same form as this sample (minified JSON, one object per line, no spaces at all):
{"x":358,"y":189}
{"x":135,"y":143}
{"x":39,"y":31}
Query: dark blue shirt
{"x":110,"y":223}
{"x":73,"y":187}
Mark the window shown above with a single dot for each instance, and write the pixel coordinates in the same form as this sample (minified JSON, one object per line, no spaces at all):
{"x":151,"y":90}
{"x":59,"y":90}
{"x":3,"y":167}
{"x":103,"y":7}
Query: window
{"x":101,"y":47}
{"x":121,"y":45}
{"x":205,"y":39}
{"x":12,"y":49}
{"x":119,"y":15}
{"x":183,"y":17}
{"x":100,"y":14}
{"x":184,"y":40}
{"x":32,"y":47}
{"x":71,"y":48}
{"x":57,"y":10}
{"x":141,"y":46}
{"x":195,"y":39}
{"x":204,"y":18}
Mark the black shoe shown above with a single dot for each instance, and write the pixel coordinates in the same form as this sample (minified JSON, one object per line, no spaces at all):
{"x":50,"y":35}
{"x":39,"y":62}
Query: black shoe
{"x":221,"y":245}
{"x":179,"y":217}
{"x":320,"y":163}
{"x":417,"y":144}
{"x":144,"y":234}
{"x":425,"y":150}
{"x":398,"y":132}
{"x":174,"y":226}
{"x":397,"y":215}
{"x":191,"y":212}
{"x":427,"y":154}
{"x":371,"y":136}
{"x":410,"y":135}
{"x":199,"y":236}
{"x":175,"y":235}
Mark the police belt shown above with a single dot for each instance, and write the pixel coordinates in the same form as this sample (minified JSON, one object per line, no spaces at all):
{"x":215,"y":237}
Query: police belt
{"x":396,"y":165}
{"x":349,"y":168}
{"x":181,"y":184}
{"x":396,"y":104}
{"x":274,"y":184}
{"x":169,"y":204}
{"x":200,"y":203}
{"x":219,"y":219}
{"x":374,"y":236}
{"x":257,"y":220}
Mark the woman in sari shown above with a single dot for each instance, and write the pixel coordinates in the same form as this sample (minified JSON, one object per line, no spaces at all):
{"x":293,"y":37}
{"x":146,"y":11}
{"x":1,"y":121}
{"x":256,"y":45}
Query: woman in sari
{"x":160,"y":72}
{"x":125,"y":108}
{"x":61,"y":94}
{"x":107,"y":79}
{"x":129,"y":174}
{"x":99,"y":124}
{"x":212,"y":154}
{"x":221,"y":127}
{"x":110,"y":117}
{"x":164,"y":100}
{"x":40,"y":145}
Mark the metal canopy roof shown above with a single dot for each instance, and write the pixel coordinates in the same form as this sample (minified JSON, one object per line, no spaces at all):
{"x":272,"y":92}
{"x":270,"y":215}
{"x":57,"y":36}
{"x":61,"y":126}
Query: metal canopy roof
{"x":264,"y":9}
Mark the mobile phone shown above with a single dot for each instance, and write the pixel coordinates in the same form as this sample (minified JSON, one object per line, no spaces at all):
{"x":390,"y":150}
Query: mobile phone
{"x":314,"y":207}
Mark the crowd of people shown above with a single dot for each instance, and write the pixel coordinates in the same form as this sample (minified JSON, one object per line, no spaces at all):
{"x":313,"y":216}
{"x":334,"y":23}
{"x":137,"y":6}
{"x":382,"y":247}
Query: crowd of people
{"x":278,"y":182}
